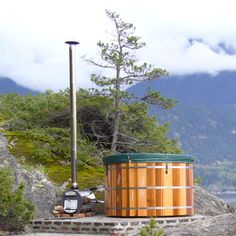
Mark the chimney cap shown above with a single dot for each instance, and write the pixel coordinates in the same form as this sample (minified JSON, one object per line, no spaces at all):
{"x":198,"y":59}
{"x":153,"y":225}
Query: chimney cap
{"x":72,"y":42}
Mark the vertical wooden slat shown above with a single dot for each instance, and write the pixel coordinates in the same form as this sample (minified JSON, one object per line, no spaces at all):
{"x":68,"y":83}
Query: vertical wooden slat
{"x":190,"y":192}
{"x":151,"y":193}
{"x":183,"y":182}
{"x":132,"y":192}
{"x":125,"y":195}
{"x":113,"y":191}
{"x":141,"y":193}
{"x":118,"y":186}
{"x":159,"y":192}
{"x":176,"y":192}
{"x":167,"y":192}
{"x":108,"y":193}
{"x":184,"y":191}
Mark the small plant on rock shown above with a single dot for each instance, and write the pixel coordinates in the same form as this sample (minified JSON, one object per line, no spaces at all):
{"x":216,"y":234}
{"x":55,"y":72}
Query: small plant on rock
{"x":198,"y":181}
{"x":151,"y":229}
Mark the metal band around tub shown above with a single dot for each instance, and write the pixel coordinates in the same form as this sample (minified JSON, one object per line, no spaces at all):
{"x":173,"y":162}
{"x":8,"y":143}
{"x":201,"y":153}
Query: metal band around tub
{"x":150,"y":208}
{"x":150,"y":167}
{"x":149,"y":187}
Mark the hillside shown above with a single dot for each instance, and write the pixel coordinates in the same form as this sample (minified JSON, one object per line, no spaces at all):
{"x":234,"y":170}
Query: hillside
{"x":203,"y":121}
{"x":38,"y":130}
{"x":7,"y":85}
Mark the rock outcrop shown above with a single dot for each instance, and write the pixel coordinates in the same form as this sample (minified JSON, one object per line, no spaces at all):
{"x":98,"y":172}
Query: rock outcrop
{"x":37,"y":188}
{"x":221,"y":220}
{"x":221,"y":217}
{"x":221,"y":225}
{"x":208,"y":204}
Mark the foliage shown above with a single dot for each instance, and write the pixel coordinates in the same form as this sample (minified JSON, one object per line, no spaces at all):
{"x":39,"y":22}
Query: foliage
{"x":26,"y":112}
{"x":151,"y":229}
{"x":139,"y":132}
{"x":198,"y":180}
{"x":118,"y":58}
{"x":15,"y":210}
{"x":46,"y":143}
{"x":220,"y":176}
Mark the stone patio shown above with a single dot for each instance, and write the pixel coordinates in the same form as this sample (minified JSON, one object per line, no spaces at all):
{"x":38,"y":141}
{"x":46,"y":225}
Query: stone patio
{"x":102,"y":225}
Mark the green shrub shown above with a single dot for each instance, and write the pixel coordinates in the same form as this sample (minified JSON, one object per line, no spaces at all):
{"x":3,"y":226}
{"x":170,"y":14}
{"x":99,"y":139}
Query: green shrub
{"x":15,"y":210}
{"x":198,"y":180}
{"x":151,"y":229}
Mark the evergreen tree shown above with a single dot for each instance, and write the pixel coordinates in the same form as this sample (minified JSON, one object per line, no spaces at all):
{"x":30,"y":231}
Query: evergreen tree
{"x":15,"y":210}
{"x":118,"y":56}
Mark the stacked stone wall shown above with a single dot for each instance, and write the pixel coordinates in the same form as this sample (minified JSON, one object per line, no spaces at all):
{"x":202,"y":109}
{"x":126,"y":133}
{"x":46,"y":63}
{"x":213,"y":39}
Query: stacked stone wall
{"x":104,"y":225}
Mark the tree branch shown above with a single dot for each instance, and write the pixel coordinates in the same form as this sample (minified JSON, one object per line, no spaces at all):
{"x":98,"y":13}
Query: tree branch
{"x":91,"y":61}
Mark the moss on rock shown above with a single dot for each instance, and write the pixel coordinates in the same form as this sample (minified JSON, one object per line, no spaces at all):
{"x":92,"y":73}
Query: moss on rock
{"x":34,"y":149}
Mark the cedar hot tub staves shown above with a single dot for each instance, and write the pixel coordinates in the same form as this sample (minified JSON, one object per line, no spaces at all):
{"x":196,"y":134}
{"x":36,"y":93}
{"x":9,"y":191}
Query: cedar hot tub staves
{"x":149,"y":184}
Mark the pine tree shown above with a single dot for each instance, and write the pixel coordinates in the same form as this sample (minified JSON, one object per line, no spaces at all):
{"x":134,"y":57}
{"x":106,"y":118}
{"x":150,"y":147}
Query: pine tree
{"x":118,"y":56}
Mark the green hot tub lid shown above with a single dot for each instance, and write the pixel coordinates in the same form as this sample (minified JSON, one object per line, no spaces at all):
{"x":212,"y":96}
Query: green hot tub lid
{"x":146,"y":157}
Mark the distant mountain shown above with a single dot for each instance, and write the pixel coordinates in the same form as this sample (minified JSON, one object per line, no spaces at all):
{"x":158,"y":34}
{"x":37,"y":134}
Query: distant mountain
{"x":204,"y":122}
{"x":7,"y":85}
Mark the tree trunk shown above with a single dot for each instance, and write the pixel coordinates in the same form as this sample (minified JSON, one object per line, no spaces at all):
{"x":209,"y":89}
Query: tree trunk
{"x":115,"y":131}
{"x":116,"y":122}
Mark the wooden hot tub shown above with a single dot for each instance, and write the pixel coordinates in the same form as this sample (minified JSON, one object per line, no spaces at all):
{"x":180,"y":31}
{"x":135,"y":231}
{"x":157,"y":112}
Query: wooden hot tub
{"x":149,"y":184}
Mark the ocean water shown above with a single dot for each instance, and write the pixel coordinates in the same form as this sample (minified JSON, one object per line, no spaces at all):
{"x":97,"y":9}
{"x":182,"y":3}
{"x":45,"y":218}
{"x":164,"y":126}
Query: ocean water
{"x":228,"y":197}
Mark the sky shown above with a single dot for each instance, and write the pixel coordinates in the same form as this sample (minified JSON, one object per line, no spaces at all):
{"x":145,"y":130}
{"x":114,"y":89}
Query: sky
{"x":184,"y":37}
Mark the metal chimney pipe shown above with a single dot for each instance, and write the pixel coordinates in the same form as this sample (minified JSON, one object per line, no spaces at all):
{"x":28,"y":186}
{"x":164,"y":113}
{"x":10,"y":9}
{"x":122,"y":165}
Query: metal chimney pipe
{"x":73,"y":115}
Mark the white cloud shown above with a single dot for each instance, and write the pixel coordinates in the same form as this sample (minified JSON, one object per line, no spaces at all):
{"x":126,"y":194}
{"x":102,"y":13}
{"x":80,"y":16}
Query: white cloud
{"x":32,"y":35}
